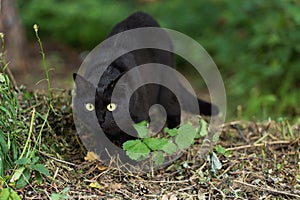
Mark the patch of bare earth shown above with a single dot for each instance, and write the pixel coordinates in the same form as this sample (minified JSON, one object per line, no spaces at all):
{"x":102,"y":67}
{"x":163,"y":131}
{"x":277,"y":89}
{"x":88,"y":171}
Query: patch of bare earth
{"x":262,"y":162}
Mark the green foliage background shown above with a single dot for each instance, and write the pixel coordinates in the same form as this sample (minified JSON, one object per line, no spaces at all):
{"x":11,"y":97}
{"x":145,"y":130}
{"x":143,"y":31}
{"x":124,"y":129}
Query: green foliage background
{"x":255,"y":44}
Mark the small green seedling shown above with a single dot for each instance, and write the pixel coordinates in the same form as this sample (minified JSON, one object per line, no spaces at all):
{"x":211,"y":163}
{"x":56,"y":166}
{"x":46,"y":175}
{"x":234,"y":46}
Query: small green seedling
{"x":61,"y":195}
{"x":174,"y":140}
{"x":9,"y":194}
{"x":22,"y":175}
{"x":220,"y":149}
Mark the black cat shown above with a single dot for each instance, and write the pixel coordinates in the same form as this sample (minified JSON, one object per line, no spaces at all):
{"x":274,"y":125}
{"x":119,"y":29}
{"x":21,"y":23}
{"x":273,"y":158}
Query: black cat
{"x":143,"y":98}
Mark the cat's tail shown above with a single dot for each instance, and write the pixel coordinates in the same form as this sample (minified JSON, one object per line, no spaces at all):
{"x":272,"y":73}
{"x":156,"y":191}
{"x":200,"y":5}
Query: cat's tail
{"x":184,"y":100}
{"x":205,"y":108}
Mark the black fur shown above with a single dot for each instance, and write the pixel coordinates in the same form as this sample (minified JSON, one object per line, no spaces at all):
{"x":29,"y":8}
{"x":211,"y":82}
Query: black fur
{"x":141,"y":101}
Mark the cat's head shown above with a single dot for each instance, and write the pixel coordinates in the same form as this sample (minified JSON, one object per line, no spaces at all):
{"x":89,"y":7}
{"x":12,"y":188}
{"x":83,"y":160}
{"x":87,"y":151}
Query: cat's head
{"x":90,"y":99}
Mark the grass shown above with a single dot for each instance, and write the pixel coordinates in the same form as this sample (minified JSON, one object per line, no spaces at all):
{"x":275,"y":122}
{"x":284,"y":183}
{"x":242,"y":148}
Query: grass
{"x":19,"y":164}
{"x":12,"y":126}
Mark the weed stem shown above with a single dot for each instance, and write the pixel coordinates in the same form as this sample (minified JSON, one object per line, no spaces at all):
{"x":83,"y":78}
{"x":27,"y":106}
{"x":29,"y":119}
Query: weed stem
{"x":29,"y":134}
{"x":44,"y":65}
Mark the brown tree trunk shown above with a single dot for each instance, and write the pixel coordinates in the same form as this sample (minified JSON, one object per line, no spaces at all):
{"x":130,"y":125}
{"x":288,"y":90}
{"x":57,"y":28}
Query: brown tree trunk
{"x":11,"y":26}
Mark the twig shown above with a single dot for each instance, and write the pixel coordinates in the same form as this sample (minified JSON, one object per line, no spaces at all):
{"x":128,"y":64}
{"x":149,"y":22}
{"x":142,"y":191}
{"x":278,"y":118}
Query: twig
{"x":187,"y":188}
{"x":12,"y":78}
{"x":258,"y":145}
{"x":58,"y":160}
{"x":182,"y":181}
{"x":266,"y":189}
{"x":220,"y":191}
{"x":236,"y":127}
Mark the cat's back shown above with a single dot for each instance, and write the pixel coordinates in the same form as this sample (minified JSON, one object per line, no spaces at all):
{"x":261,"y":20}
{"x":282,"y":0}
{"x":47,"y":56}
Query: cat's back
{"x":139,"y":19}
{"x":136,"y":20}
{"x":142,"y":56}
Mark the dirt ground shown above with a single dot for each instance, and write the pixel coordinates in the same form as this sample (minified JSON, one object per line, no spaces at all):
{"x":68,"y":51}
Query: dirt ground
{"x":262,"y":161}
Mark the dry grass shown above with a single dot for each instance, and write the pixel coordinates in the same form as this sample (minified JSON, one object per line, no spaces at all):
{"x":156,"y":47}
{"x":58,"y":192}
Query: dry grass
{"x":262,"y":162}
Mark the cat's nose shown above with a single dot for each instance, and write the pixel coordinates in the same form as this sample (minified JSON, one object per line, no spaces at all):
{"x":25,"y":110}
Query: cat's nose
{"x":101,"y":121}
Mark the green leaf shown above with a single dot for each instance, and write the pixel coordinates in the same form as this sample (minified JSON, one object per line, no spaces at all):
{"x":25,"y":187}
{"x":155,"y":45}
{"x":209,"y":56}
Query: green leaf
{"x":1,"y":165}
{"x":27,"y":96}
{"x":35,"y":159}
{"x":130,"y":144}
{"x":57,"y":196}
{"x":158,"y":157}
{"x":65,"y":190}
{"x":38,"y":178}
{"x":5,"y":192}
{"x":42,"y":169}
{"x":155,"y":143}
{"x":22,"y":161}
{"x":4,"y":110}
{"x":24,"y":179}
{"x":185,"y":137}
{"x":137,"y":156}
{"x":62,"y":195}
{"x":170,"y":147}
{"x":202,"y":131}
{"x":136,"y":149}
{"x":141,"y":129}
{"x":216,"y":137}
{"x":142,"y":123}
{"x":220,"y":149}
{"x":3,"y":145}
{"x":17,"y":174}
{"x":2,"y":78}
{"x":14,"y":149}
{"x":172,"y":132}
{"x":9,"y":194}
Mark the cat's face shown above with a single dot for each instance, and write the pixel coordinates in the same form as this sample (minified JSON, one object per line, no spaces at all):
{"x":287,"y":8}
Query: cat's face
{"x":90,"y":99}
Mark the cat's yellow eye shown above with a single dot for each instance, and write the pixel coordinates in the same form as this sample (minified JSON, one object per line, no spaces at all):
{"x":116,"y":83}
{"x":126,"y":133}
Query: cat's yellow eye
{"x":89,"y":107}
{"x":111,"y":107}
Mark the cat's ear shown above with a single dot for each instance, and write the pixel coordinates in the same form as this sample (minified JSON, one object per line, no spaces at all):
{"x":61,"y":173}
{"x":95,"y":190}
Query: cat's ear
{"x":80,"y":82}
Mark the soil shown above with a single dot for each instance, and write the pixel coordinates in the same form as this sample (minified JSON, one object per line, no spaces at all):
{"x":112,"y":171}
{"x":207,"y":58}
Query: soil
{"x":261,"y":162}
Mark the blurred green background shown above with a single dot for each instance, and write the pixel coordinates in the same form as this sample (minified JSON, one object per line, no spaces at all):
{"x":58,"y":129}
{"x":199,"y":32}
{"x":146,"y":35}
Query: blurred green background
{"x":255,"y":44}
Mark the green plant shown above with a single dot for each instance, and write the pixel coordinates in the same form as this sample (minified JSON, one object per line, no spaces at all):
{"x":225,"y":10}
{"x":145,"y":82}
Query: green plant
{"x":61,"y":195}
{"x":12,"y":126}
{"x":174,"y":140}
{"x":22,"y":175}
{"x":17,"y":153}
{"x":9,"y":194}
{"x":220,"y":149}
{"x":44,"y":66}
